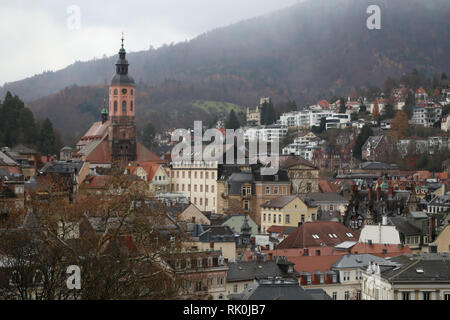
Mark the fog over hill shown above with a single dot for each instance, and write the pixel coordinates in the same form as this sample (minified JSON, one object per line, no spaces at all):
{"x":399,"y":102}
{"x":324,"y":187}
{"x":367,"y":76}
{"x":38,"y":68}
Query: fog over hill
{"x":309,"y":51}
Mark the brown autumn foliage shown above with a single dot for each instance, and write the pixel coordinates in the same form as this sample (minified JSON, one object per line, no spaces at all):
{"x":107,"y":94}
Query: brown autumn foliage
{"x":399,"y":125}
{"x":118,"y":238}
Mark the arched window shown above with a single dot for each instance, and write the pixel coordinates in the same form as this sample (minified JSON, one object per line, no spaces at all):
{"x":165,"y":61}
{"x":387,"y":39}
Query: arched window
{"x":131,"y":106}
{"x":124,"y":106}
{"x":115,"y":106}
{"x":116,"y":92}
{"x":132,"y":91}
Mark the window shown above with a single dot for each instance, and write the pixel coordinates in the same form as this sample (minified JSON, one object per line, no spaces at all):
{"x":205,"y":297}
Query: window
{"x":201,"y":188}
{"x":182,"y":174}
{"x":199,"y":262}
{"x":275,"y":190}
{"x":317,"y":252}
{"x":235,"y":288}
{"x":264,"y":217}
{"x":201,"y":174}
{"x":201,"y":201}
{"x":331,"y":207}
{"x":447,"y":296}
{"x":206,"y":188}
{"x":308,"y":187}
{"x":313,"y":217}
{"x":267,"y":190}
{"x":349,"y":234}
{"x":124,"y":106}
{"x":246,"y":206}
{"x":269,"y":217}
{"x":188,"y":263}
{"x":279,"y":218}
{"x":207,"y":175}
{"x":426,"y":295}
{"x":346,"y":295}
{"x":195,"y":175}
{"x":315,"y":236}
{"x":346,"y":275}
{"x":132,"y":91}
{"x":116,"y":92}
{"x":358,"y":275}
{"x":358,"y":295}
{"x":131,"y":106}
{"x":303,"y":218}
{"x":274,"y":218}
{"x":206,"y":201}
{"x":405,"y":295}
{"x":288,"y":219}
{"x":212,"y":189}
{"x":334,"y":295}
{"x":115,"y":106}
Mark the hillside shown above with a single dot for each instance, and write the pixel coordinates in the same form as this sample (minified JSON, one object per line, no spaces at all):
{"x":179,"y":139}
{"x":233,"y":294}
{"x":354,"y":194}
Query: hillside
{"x":306,"y":52}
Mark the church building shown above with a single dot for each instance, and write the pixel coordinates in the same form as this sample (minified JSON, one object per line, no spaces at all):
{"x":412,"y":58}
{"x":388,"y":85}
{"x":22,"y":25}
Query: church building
{"x":113,"y":139}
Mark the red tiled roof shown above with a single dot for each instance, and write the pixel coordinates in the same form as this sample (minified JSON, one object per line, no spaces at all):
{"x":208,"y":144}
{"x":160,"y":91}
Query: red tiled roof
{"x":313,"y":263}
{"x":392,"y":250}
{"x":101,"y":154}
{"x":97,"y":182}
{"x":303,"y":236}
{"x":327,"y":186}
{"x":144,"y":154}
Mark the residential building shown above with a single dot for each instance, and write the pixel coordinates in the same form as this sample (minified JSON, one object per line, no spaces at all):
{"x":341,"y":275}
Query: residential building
{"x":286,"y":211}
{"x":303,"y":175}
{"x":424,"y":276}
{"x":197,"y":180}
{"x":327,"y":202}
{"x":254,"y":116}
{"x":202,"y":273}
{"x":426,"y":114}
{"x":242,"y":274}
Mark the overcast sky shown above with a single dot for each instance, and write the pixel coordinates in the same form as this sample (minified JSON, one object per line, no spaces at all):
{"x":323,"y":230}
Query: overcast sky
{"x":44,"y":35}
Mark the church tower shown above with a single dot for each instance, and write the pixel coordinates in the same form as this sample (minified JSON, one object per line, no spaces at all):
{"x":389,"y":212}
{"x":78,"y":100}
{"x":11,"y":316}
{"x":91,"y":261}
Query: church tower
{"x":122,"y":131}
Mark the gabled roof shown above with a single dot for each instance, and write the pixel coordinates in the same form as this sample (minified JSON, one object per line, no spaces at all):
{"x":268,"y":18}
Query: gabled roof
{"x":319,"y":233}
{"x":251,"y":270}
{"x":280,"y":202}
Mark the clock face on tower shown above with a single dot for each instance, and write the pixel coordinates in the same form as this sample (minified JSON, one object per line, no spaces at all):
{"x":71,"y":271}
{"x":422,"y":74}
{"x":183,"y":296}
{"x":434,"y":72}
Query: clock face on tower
{"x":124,"y":91}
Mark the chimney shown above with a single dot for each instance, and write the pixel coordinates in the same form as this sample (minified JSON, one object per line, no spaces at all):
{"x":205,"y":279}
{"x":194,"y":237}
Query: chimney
{"x":431,"y":229}
{"x":378,"y":193}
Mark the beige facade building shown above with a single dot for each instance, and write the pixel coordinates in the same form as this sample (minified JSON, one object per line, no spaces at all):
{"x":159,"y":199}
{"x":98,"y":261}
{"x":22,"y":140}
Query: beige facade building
{"x":286,"y":211}
{"x":197,"y":180}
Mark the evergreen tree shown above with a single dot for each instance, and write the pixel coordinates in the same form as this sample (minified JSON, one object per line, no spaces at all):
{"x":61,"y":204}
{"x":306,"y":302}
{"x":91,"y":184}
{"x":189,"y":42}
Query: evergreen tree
{"x":268,"y":114}
{"x":148,"y":136}
{"x":342,"y":108}
{"x":233,"y":121}
{"x":47,"y":140}
{"x":365,"y":133}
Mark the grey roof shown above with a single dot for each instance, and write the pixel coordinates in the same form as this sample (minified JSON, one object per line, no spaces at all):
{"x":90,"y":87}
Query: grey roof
{"x":7,"y":159}
{"x":379,"y":166}
{"x":359,"y":260}
{"x":121,"y":79}
{"x":62,"y":167}
{"x":418,"y":214}
{"x":281,"y":289}
{"x":279,"y":202}
{"x":235,"y":222}
{"x":403,"y":225}
{"x":236,"y":180}
{"x":420,"y":267}
{"x":250,"y":270}
{"x":20,"y":148}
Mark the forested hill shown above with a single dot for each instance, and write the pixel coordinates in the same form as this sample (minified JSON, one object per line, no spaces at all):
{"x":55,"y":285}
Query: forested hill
{"x":302,"y":52}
